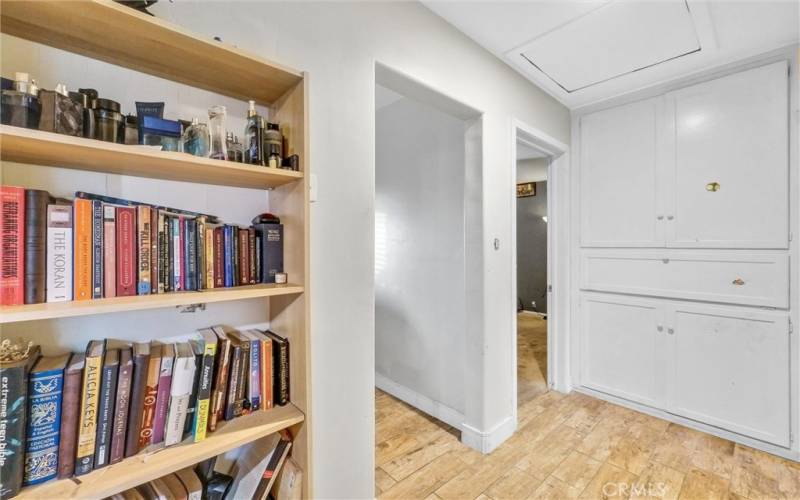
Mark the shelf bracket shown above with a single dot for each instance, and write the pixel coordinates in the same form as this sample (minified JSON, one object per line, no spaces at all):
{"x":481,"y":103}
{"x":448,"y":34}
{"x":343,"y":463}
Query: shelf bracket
{"x":190,"y":308}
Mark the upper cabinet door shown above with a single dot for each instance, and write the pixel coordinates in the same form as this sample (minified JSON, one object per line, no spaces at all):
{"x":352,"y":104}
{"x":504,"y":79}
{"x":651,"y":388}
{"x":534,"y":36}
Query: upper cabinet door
{"x":620,"y":201}
{"x":729,"y":188}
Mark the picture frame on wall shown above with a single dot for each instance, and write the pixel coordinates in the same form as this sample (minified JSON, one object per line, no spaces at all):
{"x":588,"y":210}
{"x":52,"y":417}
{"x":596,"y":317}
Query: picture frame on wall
{"x":525,"y":189}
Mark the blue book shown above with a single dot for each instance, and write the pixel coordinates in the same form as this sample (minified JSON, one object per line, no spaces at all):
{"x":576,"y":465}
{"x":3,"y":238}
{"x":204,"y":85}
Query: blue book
{"x":45,"y":385}
{"x":227,"y":234}
{"x":254,"y":386}
{"x":97,"y":249}
{"x":190,"y":245}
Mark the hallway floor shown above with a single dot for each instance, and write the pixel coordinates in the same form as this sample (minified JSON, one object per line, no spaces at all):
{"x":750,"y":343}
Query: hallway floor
{"x":571,"y":446}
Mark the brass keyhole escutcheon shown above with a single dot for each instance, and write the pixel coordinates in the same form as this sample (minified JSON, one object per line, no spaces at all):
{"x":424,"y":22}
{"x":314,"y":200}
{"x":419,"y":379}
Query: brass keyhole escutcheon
{"x":712,"y":187}
{"x":738,"y":281}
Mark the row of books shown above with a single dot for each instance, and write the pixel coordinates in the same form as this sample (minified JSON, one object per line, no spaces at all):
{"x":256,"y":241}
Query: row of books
{"x":96,"y":247}
{"x":78,"y":412}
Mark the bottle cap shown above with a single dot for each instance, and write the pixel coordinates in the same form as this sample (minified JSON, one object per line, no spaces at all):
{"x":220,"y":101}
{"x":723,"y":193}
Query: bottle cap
{"x":62,"y":89}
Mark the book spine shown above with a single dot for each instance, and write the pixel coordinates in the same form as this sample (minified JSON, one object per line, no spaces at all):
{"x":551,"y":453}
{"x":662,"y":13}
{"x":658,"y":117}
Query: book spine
{"x":228,"y":260}
{"x":155,"y":264}
{"x":244,"y":257}
{"x":13,"y":398}
{"x":121,"y":407}
{"x":109,"y":251}
{"x":70,"y":409}
{"x":149,"y":403}
{"x":176,"y":254}
{"x":201,"y":254}
{"x":220,"y":387}
{"x":35,"y":245}
{"x":59,"y":253}
{"x":235,"y":256}
{"x":219,"y":258}
{"x":12,"y":210}
{"x":206,"y":378}
{"x":180,"y":395}
{"x":126,"y":251}
{"x":82,"y":248}
{"x":258,"y":256}
{"x":233,"y":383}
{"x":281,"y":391}
{"x":143,"y":220}
{"x":182,"y":249}
{"x":136,"y":405}
{"x":210,"y":258}
{"x":162,"y":399}
{"x":251,"y":233}
{"x":168,"y":228}
{"x":105,"y":415}
{"x":272,"y":251}
{"x":87,"y":429}
{"x":254,"y":388}
{"x":44,"y":425}
{"x":268,"y":371}
{"x":188,"y":426}
{"x":190,"y":242}
{"x":163,"y":255}
{"x":97,"y":249}
{"x":242,"y":404}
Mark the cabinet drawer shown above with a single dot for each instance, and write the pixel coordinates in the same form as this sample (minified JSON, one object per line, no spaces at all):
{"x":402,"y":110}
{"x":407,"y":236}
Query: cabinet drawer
{"x":755,"y":279}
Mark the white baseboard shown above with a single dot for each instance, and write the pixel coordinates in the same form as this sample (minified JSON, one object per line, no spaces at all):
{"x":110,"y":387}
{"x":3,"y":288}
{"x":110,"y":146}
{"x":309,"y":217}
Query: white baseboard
{"x":486,"y":442}
{"x":433,"y":408}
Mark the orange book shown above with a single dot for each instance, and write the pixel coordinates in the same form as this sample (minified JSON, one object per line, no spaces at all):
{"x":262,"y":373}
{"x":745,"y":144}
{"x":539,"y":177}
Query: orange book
{"x":82,"y":220}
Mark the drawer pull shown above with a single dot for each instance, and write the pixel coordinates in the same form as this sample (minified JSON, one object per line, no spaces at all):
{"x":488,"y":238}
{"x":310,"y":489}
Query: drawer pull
{"x":671,"y":331}
{"x":712,"y":187}
{"x":660,"y":217}
{"x":738,"y":282}
{"x":660,"y":328}
{"x":665,"y":261}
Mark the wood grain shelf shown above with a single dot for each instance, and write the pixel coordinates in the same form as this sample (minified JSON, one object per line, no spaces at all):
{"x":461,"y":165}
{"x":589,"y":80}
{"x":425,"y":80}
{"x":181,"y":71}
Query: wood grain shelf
{"x":56,"y":150}
{"x":151,"y":46}
{"x":146,"y":466}
{"x":50,"y":310}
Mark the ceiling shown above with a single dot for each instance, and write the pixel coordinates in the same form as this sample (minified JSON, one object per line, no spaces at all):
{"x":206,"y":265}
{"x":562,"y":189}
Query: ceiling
{"x":584,"y":51}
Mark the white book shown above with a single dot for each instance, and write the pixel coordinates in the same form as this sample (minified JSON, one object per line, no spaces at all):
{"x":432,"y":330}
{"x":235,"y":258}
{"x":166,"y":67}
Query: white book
{"x":59,"y":253}
{"x":180,"y":392}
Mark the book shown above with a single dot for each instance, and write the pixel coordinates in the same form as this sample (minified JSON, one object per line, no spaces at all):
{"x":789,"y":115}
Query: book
{"x":182,"y":249}
{"x":228,"y":257}
{"x":258,"y":256}
{"x":180,"y":392}
{"x":168,"y":227}
{"x":234,"y":378}
{"x":219,"y":258}
{"x":251,"y":233}
{"x":161,"y":490}
{"x":130,"y":203}
{"x":59,"y":253}
{"x":126,"y":251}
{"x":155,"y":264}
{"x":14,"y":398}
{"x":90,"y":398}
{"x":12,"y":280}
{"x":97,"y":249}
{"x":141,"y":362}
{"x":280,"y":369}
{"x":252,"y":463}
{"x":220,"y":387}
{"x":244,"y":256}
{"x":192,"y":483}
{"x":163,"y":254}
{"x":175,"y":487}
{"x":122,"y":405}
{"x":132,"y":494}
{"x":35,"y":267}
{"x":235,"y":256}
{"x":190,"y":252}
{"x":105,"y":408}
{"x":271,"y":250}
{"x":70,"y":412}
{"x":209,"y":257}
{"x":289,"y":485}
{"x":45,"y":386}
{"x":143,"y":256}
{"x":254,"y":369}
{"x":82,"y":249}
{"x":109,"y":251}
{"x":197,"y":350}
{"x":274,"y":465}
{"x":266,"y":369}
{"x":163,"y":395}
{"x":201,"y":253}
{"x":177,"y":261}
{"x":208,"y":342}
{"x":150,"y":395}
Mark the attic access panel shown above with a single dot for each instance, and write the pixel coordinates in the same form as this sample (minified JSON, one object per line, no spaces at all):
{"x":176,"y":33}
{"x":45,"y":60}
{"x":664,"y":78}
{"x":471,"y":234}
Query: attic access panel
{"x":613,"y":40}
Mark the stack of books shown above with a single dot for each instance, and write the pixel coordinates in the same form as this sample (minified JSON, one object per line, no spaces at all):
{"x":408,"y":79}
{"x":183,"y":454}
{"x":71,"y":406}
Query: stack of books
{"x":97,"y":247}
{"x":78,"y":412}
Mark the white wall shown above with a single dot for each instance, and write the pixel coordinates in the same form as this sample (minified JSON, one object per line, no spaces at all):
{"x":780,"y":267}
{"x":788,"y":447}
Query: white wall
{"x":420,"y":316}
{"x":532,"y":170}
{"x":338,"y":43}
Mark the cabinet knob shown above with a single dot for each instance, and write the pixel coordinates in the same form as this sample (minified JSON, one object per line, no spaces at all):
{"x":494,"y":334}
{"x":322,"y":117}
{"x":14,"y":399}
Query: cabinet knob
{"x":738,"y":282}
{"x":665,"y":261}
{"x":660,"y":328}
{"x":660,"y":217}
{"x":671,"y":331}
{"x":670,"y":217}
{"x":712,"y":187}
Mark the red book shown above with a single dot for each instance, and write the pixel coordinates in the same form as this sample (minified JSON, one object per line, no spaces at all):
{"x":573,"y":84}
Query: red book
{"x":219,"y":258}
{"x":12,"y":254}
{"x":126,"y":251}
{"x":109,"y":251}
{"x":244,"y":256}
{"x":82,"y":249}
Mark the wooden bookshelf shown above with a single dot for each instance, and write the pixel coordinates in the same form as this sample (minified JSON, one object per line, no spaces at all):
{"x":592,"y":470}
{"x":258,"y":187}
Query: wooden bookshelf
{"x":146,"y":466}
{"x":50,"y":310}
{"x":56,"y":150}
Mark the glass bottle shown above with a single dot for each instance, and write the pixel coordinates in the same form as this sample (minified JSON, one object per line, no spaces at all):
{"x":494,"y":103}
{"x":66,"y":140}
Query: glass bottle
{"x":253,"y":137}
{"x":216,"y":127}
{"x":196,"y":139}
{"x":273,"y":145}
{"x":20,"y":105}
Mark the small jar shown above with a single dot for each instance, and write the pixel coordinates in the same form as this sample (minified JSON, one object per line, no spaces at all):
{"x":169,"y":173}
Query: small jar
{"x":86,"y":97}
{"x":109,"y":121}
{"x":20,"y":106}
{"x":196,"y":139}
{"x":131,"y":129}
{"x":273,"y":145}
{"x":216,"y":128}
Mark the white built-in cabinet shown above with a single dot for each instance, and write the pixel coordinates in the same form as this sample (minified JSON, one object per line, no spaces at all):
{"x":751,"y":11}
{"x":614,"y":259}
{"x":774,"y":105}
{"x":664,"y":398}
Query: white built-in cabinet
{"x":684,"y":261}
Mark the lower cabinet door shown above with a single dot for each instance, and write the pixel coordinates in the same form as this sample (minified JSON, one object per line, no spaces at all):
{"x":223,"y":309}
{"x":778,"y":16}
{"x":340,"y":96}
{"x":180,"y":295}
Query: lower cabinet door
{"x":620,"y":341}
{"x":731,"y":369}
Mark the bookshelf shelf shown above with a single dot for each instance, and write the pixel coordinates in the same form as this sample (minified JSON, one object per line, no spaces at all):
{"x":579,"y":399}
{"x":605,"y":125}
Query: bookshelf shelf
{"x":45,"y":148}
{"x":146,"y":466}
{"x":50,"y":310}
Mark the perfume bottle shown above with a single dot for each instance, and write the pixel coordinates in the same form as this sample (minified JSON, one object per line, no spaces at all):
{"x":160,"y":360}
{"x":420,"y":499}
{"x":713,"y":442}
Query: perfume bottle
{"x":109,"y":122}
{"x":86,"y":97}
{"x":216,"y":127}
{"x":60,"y":113}
{"x":253,"y":137}
{"x":196,"y":139}
{"x":20,"y":106}
{"x":273,"y":145}
{"x":235,"y":148}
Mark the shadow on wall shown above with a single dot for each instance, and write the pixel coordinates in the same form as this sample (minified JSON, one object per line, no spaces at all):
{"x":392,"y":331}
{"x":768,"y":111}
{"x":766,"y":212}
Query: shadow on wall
{"x":532,"y":250}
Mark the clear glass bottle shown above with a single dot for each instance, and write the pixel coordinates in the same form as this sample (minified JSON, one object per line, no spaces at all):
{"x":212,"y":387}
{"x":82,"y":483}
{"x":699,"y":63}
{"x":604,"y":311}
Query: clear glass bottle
{"x":20,"y":105}
{"x":235,"y":148}
{"x":196,"y":139}
{"x":253,"y":137}
{"x":216,"y":128}
{"x":273,"y":145}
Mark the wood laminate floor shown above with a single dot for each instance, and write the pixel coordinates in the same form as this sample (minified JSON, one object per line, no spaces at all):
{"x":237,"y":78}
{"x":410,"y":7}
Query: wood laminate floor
{"x":566,"y":447}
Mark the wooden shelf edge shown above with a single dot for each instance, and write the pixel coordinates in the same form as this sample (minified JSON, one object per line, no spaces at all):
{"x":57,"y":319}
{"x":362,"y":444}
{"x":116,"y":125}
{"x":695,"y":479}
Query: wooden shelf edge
{"x":50,"y":310}
{"x":144,"y":467}
{"x":56,"y":150}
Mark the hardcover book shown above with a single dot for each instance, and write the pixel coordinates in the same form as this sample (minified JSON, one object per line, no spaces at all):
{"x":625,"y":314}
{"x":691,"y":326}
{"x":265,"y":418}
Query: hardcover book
{"x":271,"y":250}
{"x":182,"y":249}
{"x":280,"y":369}
{"x":175,"y":486}
{"x":219,"y":257}
{"x":155,"y":263}
{"x":192,"y":483}
{"x":141,"y":363}
{"x":237,"y":384}
{"x":126,"y":251}
{"x":177,"y":251}
{"x":109,"y":251}
{"x":235,"y":256}
{"x":228,"y":258}
{"x":150,"y":395}
{"x":105,"y":408}
{"x":163,"y":254}
{"x":180,"y":393}
{"x":209,"y":258}
{"x":201,"y":253}
{"x":130,"y":203}
{"x":90,"y":399}
{"x":220,"y":387}
{"x":36,"y":202}
{"x":208,"y":341}
{"x":266,"y":369}
{"x":273,"y":467}
{"x":97,"y":249}
{"x":12,"y":209}
{"x":82,"y":249}
{"x":244,"y":256}
{"x":197,"y":349}
{"x":45,"y":386}
{"x":190,"y":252}
{"x":254,"y":376}
{"x":59,"y":253}
{"x":70,"y":414}
{"x":251,"y":465}
{"x":14,"y":398}
{"x":143,"y":220}
{"x":163,"y":396}
{"x":251,"y":232}
{"x":121,"y":405}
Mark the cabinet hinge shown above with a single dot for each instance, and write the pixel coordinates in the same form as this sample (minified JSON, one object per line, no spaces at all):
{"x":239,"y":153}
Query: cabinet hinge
{"x":791,"y":326}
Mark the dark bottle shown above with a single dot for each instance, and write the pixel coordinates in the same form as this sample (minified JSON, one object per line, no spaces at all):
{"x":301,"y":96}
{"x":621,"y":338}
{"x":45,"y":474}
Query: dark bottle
{"x":253,"y":137}
{"x":273,"y":145}
{"x":20,"y":106}
{"x":60,"y":112}
{"x":109,"y":121}
{"x":86,"y":97}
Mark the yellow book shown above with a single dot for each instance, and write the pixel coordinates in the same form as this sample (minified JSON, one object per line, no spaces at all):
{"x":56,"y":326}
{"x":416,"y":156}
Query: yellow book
{"x":209,"y":341}
{"x":90,"y":397}
{"x":209,"y":244}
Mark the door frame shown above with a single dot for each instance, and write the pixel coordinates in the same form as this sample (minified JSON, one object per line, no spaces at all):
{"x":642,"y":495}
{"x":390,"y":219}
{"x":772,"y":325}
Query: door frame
{"x":557,"y":256}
